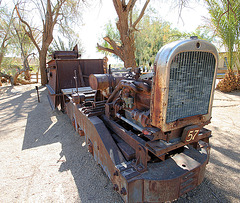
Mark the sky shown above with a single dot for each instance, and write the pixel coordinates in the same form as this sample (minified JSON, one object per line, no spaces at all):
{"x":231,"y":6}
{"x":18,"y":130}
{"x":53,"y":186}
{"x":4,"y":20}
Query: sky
{"x":98,"y":14}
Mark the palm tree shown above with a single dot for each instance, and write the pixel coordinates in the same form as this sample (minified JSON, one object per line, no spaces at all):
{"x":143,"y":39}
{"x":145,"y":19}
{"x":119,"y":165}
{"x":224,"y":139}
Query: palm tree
{"x":225,"y":19}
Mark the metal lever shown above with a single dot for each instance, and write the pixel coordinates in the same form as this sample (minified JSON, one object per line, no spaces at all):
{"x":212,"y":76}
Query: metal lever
{"x":75,"y":78}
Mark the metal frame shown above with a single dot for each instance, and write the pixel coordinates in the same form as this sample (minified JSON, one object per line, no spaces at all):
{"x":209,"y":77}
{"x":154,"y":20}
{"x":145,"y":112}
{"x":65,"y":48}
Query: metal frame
{"x":124,"y":123}
{"x":135,"y":179}
{"x":159,"y":97}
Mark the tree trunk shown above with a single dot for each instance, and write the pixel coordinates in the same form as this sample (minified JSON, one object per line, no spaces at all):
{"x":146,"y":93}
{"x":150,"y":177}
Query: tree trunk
{"x":126,"y":28}
{"x":42,"y":63}
{"x":27,"y":75}
{"x":15,"y":77}
{"x":127,"y":39}
{"x":9,"y":77}
{"x":129,"y":55}
{"x":1,"y":58}
{"x":129,"y":50}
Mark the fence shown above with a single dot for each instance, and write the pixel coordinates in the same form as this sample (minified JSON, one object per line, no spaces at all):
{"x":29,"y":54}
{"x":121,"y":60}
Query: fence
{"x":35,"y":77}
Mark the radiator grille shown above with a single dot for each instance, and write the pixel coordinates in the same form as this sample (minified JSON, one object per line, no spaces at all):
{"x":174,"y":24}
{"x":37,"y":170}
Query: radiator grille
{"x":190,"y":84}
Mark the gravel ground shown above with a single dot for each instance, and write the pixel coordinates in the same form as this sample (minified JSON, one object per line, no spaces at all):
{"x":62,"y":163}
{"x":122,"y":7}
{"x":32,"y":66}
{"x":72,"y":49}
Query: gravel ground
{"x":44,"y":160}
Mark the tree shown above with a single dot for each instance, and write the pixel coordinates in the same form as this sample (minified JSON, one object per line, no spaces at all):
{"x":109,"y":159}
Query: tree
{"x":126,"y":27}
{"x":224,"y":19}
{"x":60,"y":44}
{"x":203,"y":32}
{"x":225,"y":16}
{"x":5,"y":28}
{"x":16,"y":42}
{"x":22,"y":43}
{"x":52,"y":13}
{"x":152,"y":33}
{"x":112,"y":32}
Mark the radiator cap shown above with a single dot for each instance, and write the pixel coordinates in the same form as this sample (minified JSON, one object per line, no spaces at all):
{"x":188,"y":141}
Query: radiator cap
{"x":193,"y":37}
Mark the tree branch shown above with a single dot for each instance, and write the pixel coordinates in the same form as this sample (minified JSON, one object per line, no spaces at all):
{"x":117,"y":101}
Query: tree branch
{"x":141,"y":14}
{"x":49,"y":10}
{"x":118,"y":6}
{"x":57,"y":12}
{"x":43,"y":6}
{"x":117,"y":49}
{"x":131,"y":4}
{"x":26,"y":60}
{"x":105,"y":49}
{"x":6,"y":37}
{"x":30,"y":34}
{"x":112,"y":43}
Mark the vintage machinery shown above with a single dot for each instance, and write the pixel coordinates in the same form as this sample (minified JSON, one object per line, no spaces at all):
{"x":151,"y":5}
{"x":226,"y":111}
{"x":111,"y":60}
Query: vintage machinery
{"x":62,"y":69}
{"x":148,"y":133}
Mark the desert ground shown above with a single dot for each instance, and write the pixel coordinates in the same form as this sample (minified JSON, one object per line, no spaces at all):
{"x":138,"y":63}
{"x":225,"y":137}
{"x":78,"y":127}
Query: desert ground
{"x":42,"y":158}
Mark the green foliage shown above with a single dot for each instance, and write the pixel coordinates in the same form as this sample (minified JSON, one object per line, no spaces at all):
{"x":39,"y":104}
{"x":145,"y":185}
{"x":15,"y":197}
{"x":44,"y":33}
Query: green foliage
{"x":225,"y":15}
{"x":70,"y":14}
{"x":153,"y":34}
{"x":14,"y":42}
{"x":21,"y":43}
{"x":6,"y":19}
{"x":66,"y":44}
{"x":203,"y":32}
{"x":10,"y":65}
{"x":112,"y":32}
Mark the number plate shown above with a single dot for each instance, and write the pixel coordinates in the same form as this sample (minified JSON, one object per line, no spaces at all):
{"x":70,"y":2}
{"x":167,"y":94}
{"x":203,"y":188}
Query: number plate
{"x":190,"y":134}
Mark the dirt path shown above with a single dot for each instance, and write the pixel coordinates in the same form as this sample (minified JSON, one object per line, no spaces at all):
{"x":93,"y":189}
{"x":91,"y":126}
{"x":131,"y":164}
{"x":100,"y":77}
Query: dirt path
{"x":44,"y":160}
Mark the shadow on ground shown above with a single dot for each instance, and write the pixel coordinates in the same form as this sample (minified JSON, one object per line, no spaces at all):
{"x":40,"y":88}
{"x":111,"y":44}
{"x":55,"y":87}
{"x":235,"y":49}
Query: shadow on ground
{"x":43,"y":128}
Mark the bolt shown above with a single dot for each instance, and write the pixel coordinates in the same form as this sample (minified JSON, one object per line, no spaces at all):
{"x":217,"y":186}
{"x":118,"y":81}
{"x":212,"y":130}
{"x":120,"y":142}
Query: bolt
{"x":81,"y":132}
{"x":115,"y":173}
{"x":123,"y":191}
{"x":115,"y":187}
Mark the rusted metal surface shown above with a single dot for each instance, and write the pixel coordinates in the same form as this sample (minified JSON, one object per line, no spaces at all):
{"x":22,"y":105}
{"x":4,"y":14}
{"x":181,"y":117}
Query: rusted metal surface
{"x":61,"y":72}
{"x":149,"y":153}
{"x":171,"y":178}
{"x":103,"y":81}
{"x":166,"y":181}
{"x":190,"y":134}
{"x":66,"y":54}
{"x":175,"y":90}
